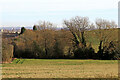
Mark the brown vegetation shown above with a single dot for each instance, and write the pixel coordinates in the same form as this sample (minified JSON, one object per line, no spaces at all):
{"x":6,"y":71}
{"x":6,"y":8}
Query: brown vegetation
{"x":76,"y":40}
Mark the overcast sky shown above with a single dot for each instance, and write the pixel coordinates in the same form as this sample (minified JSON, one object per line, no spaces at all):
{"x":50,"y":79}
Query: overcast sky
{"x":14,"y":13}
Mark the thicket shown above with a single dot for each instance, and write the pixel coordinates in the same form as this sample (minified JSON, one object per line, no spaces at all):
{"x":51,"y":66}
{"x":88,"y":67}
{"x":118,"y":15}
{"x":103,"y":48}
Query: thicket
{"x":7,"y":51}
{"x":79,"y":39}
{"x":49,"y":42}
{"x":43,"y":44}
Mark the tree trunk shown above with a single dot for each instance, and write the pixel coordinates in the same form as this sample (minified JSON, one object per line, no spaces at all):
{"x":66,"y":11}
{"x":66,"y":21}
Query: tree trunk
{"x":76,"y":39}
{"x":100,"y":52}
{"x":83,"y":39}
{"x":45,"y":47}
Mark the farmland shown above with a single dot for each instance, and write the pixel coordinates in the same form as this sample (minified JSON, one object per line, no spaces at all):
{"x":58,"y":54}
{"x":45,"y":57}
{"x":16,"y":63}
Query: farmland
{"x":60,"y":68}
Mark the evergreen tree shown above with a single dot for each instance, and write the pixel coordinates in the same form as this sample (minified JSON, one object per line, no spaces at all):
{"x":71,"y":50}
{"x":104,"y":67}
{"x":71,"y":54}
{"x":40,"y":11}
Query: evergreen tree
{"x":34,"y":28}
{"x":22,"y":30}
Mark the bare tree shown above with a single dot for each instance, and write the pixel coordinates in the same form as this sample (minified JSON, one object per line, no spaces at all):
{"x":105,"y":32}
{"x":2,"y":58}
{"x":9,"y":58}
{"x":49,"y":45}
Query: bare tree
{"x":47,"y":31}
{"x":104,"y":30}
{"x":104,"y":33}
{"x":43,"y":25}
{"x":78,"y":26}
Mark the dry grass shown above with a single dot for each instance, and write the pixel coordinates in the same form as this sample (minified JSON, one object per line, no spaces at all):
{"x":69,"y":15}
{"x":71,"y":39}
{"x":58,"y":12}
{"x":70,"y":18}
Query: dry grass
{"x":42,"y":68}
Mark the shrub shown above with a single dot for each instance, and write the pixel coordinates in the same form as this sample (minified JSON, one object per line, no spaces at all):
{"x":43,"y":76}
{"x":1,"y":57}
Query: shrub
{"x":84,"y":53}
{"x":7,"y":52}
{"x":22,"y":30}
{"x":58,"y":50}
{"x":109,"y":52}
{"x":34,"y":28}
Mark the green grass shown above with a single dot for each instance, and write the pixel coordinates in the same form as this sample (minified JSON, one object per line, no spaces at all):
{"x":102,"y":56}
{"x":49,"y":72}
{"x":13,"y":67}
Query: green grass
{"x":60,"y":68}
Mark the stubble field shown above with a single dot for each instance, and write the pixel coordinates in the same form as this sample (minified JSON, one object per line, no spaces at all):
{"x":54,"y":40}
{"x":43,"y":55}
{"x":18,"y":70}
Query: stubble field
{"x":60,"y":68}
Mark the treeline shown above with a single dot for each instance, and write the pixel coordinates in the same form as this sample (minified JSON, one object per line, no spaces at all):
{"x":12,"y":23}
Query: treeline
{"x":78,"y":39}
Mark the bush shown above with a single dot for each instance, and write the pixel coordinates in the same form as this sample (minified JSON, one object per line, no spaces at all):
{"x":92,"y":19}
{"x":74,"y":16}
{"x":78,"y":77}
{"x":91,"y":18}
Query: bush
{"x":34,"y":28}
{"x":58,"y":50}
{"x":22,"y":30}
{"x":112,"y":51}
{"x":84,"y":53}
{"x":7,"y":52}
